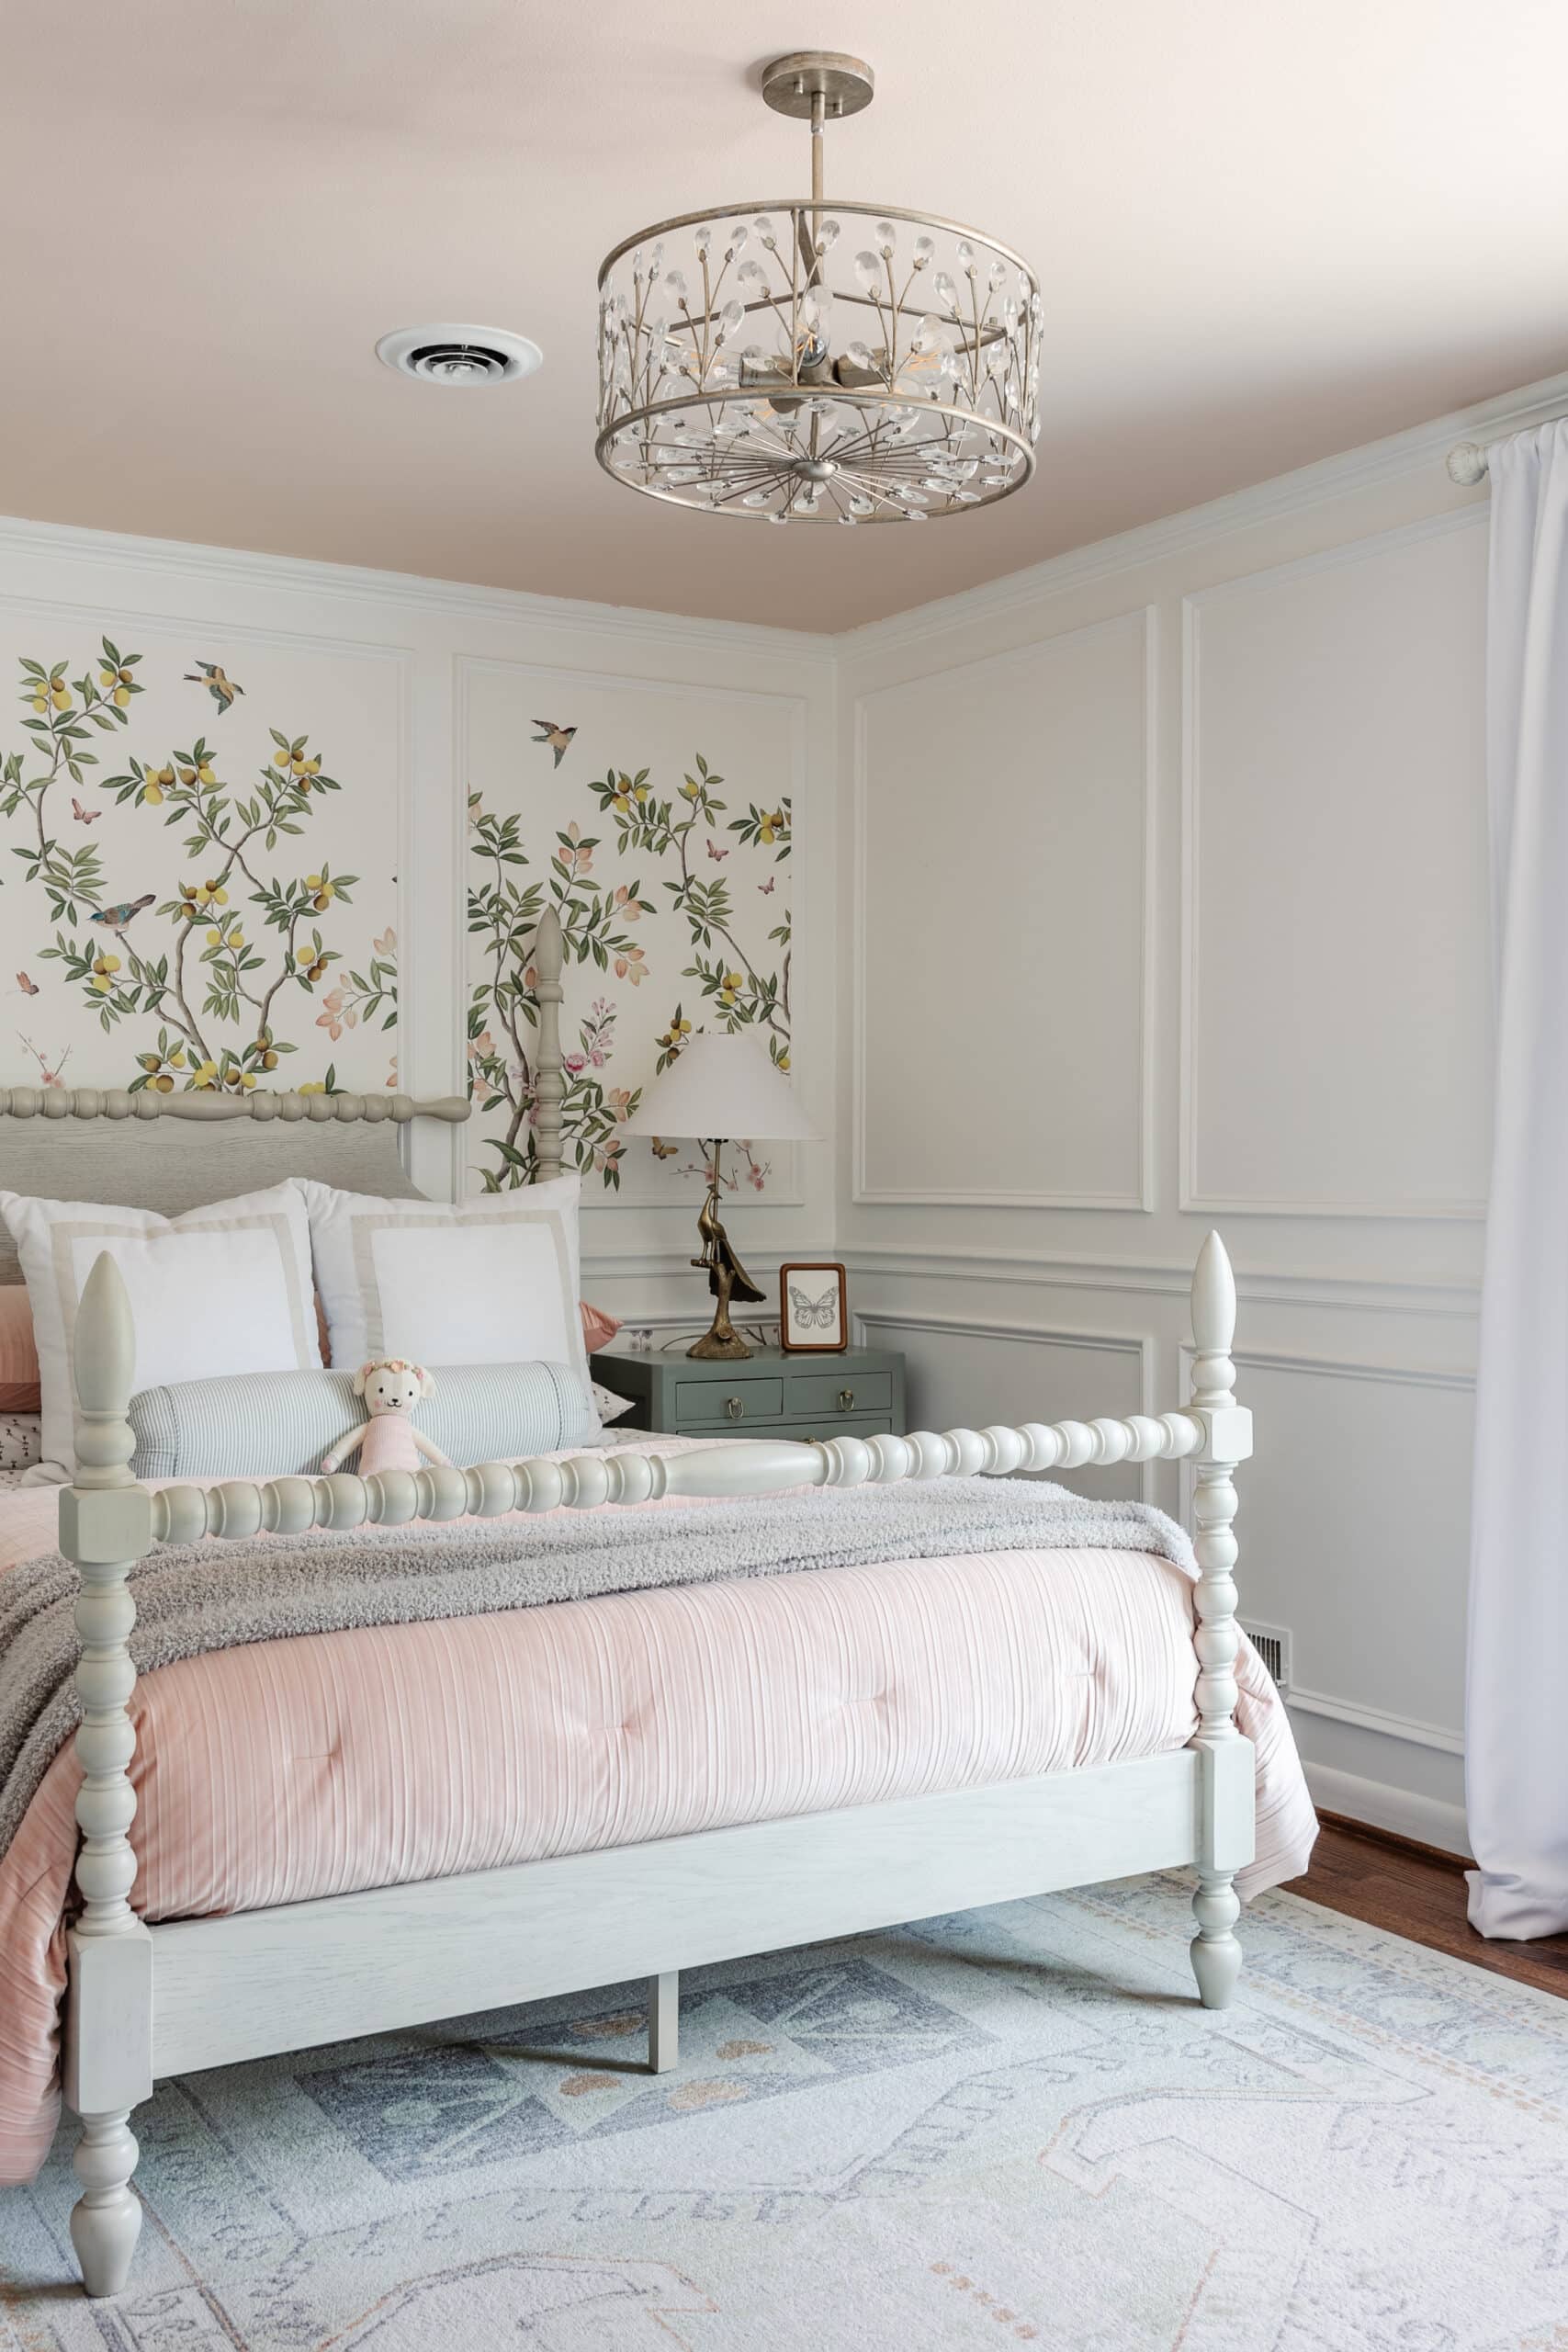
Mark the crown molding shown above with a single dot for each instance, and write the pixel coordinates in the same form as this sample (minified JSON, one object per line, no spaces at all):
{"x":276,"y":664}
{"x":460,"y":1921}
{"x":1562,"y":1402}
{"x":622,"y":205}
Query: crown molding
{"x":1395,"y":458}
{"x":403,"y":591}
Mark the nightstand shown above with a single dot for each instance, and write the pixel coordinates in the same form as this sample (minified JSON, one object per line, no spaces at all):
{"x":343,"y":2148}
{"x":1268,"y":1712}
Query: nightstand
{"x":858,"y":1394}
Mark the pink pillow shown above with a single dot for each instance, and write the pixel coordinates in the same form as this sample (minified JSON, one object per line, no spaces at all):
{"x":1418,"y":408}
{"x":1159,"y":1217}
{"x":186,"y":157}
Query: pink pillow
{"x":598,"y":1328}
{"x":18,"y":1354}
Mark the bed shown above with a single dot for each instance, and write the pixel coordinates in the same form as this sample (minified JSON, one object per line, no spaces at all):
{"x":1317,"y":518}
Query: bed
{"x":298,"y":1840}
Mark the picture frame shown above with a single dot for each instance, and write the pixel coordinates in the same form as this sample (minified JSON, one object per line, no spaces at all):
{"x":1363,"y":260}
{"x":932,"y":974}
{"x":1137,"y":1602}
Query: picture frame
{"x":814,"y":1308}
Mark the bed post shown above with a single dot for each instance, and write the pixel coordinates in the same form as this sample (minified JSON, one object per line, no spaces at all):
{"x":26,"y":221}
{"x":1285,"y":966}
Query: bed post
{"x":106,"y":1527}
{"x":550,"y":1081}
{"x":1226,"y":1839}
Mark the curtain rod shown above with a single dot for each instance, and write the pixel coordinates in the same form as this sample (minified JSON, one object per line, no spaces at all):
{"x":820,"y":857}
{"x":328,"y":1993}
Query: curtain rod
{"x":1468,"y":462}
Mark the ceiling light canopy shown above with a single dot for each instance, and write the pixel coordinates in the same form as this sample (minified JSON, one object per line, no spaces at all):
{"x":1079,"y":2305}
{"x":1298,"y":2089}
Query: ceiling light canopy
{"x":801,"y":363}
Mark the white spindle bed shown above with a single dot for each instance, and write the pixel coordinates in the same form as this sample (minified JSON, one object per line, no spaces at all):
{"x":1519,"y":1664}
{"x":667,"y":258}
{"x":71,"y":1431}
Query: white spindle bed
{"x":150,"y":2001}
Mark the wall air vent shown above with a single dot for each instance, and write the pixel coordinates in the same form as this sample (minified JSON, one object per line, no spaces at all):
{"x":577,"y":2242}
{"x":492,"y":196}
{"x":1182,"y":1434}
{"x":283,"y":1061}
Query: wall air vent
{"x":1273,"y":1643}
{"x":460,"y":356}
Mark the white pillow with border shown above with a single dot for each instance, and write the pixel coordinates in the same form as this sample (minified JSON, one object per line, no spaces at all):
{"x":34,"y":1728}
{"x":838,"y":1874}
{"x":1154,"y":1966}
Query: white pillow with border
{"x":222,"y":1289}
{"x":488,"y":1280}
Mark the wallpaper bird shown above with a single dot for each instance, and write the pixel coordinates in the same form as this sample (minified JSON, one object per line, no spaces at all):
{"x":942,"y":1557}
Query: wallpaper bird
{"x":115,"y":918}
{"x":558,"y":738}
{"x":221,"y":688}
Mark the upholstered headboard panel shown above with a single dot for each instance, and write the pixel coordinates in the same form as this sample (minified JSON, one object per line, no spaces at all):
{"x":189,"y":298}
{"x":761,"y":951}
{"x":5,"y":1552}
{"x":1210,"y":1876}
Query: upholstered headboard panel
{"x":198,"y":1148}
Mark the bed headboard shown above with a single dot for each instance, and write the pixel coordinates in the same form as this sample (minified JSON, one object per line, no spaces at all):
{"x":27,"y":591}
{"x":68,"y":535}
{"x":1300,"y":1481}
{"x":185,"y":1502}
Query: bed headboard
{"x":173,"y":1152}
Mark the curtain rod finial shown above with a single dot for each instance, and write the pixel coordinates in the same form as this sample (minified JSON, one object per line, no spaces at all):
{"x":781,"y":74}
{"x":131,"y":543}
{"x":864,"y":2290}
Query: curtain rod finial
{"x":1467,"y":464}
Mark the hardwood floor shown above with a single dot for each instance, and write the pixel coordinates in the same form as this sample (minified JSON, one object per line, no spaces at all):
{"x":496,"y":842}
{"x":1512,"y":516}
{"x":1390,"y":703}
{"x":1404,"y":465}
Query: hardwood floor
{"x":1413,"y":1891}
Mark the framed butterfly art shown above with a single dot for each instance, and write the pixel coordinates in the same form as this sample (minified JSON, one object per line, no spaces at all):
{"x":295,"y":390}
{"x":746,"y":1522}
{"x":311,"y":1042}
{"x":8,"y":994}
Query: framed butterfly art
{"x":814,"y":1316}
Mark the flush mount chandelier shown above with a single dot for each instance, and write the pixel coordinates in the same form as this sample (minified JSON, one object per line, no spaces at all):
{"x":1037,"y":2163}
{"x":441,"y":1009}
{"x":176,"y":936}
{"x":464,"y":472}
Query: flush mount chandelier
{"x":799,"y":362}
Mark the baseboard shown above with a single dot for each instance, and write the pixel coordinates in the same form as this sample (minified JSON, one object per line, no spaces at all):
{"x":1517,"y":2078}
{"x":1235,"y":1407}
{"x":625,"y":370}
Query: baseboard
{"x":1429,"y":1820}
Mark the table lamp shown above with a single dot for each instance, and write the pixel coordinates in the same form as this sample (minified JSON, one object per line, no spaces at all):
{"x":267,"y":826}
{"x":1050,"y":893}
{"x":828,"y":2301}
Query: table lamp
{"x":721,"y":1087}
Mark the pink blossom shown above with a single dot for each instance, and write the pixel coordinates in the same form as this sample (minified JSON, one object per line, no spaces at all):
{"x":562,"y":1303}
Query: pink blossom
{"x":387,"y":943}
{"x":574,"y":1062}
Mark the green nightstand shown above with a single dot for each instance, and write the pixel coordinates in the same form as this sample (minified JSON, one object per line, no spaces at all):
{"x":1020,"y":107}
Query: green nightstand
{"x":858,"y":1394}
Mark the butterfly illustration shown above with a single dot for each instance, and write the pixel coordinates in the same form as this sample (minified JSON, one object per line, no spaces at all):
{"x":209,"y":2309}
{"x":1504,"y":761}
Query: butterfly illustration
{"x":83,"y":816}
{"x":819,"y":1314}
{"x":768,"y":885}
{"x":715,"y":852}
{"x":663,"y":1150}
{"x":29,"y":988}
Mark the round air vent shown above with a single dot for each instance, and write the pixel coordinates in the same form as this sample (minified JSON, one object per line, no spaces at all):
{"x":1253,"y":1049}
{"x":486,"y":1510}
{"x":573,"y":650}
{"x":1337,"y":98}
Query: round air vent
{"x":460,"y":356}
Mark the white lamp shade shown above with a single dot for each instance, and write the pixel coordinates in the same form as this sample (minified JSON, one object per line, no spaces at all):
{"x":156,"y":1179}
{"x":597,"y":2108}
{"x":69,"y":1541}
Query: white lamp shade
{"x":721,"y":1086}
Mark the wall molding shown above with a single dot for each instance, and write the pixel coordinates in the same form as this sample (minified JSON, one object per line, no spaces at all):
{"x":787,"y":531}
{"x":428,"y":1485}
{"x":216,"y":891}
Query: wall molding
{"x":1141,"y":1201}
{"x":1418,"y":450}
{"x":1406,"y":1727}
{"x":247,"y":568}
{"x":1191,"y":1196}
{"x":1166,"y":1278}
{"x":1403,"y":1812}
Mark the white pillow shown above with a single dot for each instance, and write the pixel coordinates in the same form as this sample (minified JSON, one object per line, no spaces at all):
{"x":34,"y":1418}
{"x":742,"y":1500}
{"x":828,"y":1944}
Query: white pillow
{"x":491,"y":1281}
{"x":222,"y":1289}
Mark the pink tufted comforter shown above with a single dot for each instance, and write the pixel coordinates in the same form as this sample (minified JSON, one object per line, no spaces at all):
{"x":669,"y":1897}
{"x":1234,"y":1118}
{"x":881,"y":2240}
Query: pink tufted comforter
{"x":294,"y":1769}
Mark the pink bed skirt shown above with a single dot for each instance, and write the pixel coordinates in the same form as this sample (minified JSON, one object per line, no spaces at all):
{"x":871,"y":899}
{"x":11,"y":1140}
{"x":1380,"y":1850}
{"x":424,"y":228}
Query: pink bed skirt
{"x":316,"y":1766}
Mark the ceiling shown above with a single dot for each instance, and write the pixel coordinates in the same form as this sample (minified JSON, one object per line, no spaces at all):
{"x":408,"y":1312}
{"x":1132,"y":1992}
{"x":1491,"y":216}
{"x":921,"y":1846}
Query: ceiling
{"x":1265,"y":233}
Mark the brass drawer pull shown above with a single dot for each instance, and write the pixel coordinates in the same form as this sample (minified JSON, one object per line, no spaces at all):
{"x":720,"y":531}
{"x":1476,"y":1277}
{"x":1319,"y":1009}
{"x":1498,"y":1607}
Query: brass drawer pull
{"x":846,"y":1400}
{"x":735,"y":1406}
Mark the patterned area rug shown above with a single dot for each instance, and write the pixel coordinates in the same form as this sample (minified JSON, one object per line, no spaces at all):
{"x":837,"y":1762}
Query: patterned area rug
{"x":1015,"y":2127}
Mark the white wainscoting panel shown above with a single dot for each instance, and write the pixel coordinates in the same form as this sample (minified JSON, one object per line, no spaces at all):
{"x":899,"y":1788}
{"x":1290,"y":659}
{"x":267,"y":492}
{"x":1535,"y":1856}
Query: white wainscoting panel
{"x":965,"y":1374}
{"x":1002,"y":926}
{"x":1355,"y":1534}
{"x":1337,"y":970}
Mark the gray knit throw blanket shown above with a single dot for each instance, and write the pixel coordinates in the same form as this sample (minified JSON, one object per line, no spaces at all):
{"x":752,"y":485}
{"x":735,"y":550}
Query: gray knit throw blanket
{"x":193,"y":1598}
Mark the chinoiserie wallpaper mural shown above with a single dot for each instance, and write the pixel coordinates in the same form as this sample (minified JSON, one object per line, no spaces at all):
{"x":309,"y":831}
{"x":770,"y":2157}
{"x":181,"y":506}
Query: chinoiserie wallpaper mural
{"x":197,"y":861}
{"x":657,"y":822}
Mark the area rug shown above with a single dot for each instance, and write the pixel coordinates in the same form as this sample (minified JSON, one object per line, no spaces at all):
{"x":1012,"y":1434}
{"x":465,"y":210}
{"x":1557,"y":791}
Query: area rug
{"x":1012,"y":2127}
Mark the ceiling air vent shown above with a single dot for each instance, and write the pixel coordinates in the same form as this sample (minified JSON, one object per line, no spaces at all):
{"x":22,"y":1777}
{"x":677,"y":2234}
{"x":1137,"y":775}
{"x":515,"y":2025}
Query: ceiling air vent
{"x":460,"y":356}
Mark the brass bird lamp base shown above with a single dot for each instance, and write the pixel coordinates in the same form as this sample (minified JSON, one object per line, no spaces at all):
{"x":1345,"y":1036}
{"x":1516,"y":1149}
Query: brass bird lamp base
{"x":727,"y":1278}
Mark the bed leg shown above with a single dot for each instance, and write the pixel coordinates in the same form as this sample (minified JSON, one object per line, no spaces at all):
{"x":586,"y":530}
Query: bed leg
{"x":1227,"y":1798}
{"x":106,"y":2221}
{"x":663,"y":2022}
{"x":1216,"y":1954}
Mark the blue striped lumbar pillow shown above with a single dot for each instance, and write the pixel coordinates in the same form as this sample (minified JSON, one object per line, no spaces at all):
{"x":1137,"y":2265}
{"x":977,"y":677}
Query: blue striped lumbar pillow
{"x":278,"y":1424}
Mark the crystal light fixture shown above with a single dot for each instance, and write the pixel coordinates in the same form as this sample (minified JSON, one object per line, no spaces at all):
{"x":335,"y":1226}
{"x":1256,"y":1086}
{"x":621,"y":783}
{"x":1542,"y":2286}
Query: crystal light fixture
{"x":794,"y":363}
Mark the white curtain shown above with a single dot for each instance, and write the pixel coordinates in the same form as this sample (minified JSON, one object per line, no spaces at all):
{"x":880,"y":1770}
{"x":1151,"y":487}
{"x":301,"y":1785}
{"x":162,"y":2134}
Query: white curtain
{"x":1516,"y":1701}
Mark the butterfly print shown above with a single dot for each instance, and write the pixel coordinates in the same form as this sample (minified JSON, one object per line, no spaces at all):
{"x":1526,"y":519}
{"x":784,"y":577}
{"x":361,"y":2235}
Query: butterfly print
{"x":29,"y":988}
{"x":819,"y":1313}
{"x":769,"y":885}
{"x":663,"y":1150}
{"x":83,"y":816}
{"x":715,"y":852}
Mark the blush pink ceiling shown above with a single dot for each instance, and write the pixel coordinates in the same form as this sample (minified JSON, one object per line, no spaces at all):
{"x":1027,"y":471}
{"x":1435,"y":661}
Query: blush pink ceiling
{"x":1266,"y":233}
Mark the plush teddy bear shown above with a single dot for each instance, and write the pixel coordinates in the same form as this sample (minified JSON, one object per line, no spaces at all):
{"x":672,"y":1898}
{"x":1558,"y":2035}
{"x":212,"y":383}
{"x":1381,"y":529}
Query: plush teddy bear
{"x":392,"y":1388}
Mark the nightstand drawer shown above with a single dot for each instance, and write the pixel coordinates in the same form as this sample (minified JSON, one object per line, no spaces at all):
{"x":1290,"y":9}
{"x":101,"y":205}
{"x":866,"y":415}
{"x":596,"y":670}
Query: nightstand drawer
{"x":841,"y":1392}
{"x":698,"y":1402}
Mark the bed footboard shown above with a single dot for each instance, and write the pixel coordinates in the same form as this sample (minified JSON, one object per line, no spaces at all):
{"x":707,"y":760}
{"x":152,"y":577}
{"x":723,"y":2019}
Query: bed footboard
{"x":108,"y":1522}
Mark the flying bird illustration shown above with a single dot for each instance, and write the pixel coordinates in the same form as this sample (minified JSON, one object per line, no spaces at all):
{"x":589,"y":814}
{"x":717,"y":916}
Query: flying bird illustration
{"x":115,"y":918}
{"x":83,"y":816}
{"x":558,"y":738}
{"x":29,"y":988}
{"x":221,"y":688}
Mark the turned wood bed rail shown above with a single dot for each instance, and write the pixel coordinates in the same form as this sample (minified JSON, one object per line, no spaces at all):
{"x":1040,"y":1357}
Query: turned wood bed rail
{"x":108,"y":1522}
